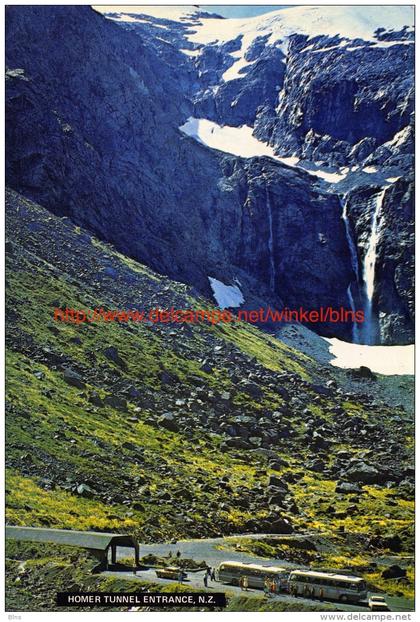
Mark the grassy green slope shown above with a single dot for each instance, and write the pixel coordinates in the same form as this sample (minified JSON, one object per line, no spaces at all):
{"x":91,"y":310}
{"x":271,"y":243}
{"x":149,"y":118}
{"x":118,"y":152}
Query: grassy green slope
{"x":98,"y":457}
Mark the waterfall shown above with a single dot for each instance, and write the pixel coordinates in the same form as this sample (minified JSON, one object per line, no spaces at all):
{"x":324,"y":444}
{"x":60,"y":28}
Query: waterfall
{"x":354,"y":264}
{"x":369,"y":265}
{"x":354,"y":331}
{"x":271,"y":243}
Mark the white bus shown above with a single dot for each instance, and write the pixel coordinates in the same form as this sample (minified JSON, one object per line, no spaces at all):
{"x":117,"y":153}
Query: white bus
{"x":313,"y":584}
{"x":230,"y":572}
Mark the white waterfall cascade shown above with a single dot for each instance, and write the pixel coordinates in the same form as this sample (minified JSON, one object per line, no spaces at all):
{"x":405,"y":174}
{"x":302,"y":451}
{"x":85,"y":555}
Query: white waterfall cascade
{"x":354,"y":332}
{"x":354,"y":263}
{"x":369,"y":265}
{"x":271,"y":244}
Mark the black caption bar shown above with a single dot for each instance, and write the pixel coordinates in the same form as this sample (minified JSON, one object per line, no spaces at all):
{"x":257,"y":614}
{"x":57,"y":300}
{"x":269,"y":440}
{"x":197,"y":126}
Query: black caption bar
{"x":140,"y":599}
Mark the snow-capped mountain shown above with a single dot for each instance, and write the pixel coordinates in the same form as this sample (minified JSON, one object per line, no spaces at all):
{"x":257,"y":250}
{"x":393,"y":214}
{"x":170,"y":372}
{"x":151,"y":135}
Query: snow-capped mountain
{"x":352,"y":22}
{"x":277,"y":150}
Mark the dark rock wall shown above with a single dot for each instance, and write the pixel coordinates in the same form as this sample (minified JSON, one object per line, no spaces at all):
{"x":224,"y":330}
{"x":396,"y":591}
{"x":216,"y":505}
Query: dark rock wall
{"x":393,"y":300}
{"x":93,"y":112}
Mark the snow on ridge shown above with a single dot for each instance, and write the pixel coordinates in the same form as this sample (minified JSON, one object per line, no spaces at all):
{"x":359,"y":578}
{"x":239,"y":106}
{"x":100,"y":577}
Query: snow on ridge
{"x":129,"y":19}
{"x":353,"y":22}
{"x":240,"y":141}
{"x":226,"y":296}
{"x":348,"y":22}
{"x":233,"y":73}
{"x":170,"y":12}
{"x":190,"y":52}
{"x":400,"y":138}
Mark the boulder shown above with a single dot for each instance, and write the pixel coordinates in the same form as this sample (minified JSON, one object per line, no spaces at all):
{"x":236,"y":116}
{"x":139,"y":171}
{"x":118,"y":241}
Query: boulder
{"x":115,"y":402}
{"x":95,"y":399}
{"x":364,"y":473}
{"x":237,"y":443}
{"x":280,"y":526}
{"x":85,"y":491}
{"x":318,"y":466}
{"x":168,"y":421}
{"x":73,"y":379}
{"x":276,"y":499}
{"x":394,"y":572}
{"x":364,"y":373}
{"x":347,"y":488}
{"x":252,"y":389}
{"x":278,"y":483}
{"x":111,"y":353}
{"x":8,"y":247}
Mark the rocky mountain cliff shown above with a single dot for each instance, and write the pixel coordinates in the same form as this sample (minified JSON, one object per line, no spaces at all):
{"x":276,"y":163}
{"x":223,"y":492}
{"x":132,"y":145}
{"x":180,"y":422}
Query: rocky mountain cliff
{"x":145,"y":154}
{"x":94,"y":108}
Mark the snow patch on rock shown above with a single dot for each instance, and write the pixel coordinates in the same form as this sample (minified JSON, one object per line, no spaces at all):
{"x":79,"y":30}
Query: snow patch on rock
{"x":386,"y":360}
{"x":226,"y":296}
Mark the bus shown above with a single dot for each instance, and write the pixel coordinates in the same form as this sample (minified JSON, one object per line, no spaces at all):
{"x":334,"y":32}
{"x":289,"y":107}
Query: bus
{"x":313,"y":584}
{"x":230,"y":572}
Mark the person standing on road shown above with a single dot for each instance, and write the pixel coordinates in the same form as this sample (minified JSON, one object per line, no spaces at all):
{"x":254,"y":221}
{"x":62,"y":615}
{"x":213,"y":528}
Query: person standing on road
{"x":245,"y":583}
{"x":212,"y":575}
{"x":205,"y":578}
{"x":180,"y":576}
{"x":241,"y":583}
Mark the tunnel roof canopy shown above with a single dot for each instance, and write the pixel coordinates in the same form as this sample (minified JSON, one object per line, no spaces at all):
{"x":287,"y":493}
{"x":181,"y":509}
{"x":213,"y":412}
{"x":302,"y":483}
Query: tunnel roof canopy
{"x":84,"y":539}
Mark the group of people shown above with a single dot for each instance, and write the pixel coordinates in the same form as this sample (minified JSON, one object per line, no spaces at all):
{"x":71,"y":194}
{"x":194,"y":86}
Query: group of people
{"x":209,"y":574}
{"x":308,"y":592}
{"x":271,"y":586}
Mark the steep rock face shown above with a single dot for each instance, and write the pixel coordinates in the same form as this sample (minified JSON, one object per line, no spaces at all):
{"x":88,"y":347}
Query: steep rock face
{"x":290,"y":237}
{"x":93,"y":111}
{"x":342,"y":95}
{"x":239,"y":101}
{"x":393,"y":297}
{"x":114,"y":172}
{"x":338,"y":103}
